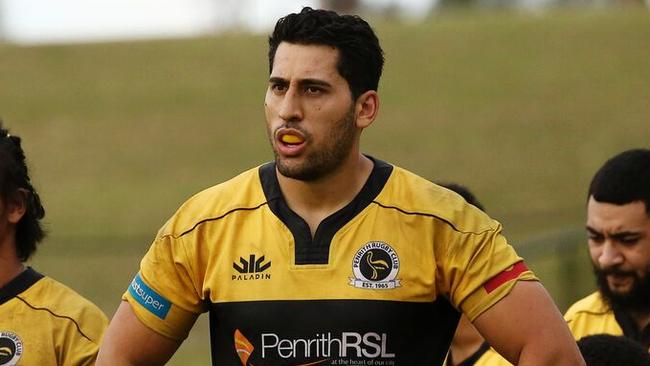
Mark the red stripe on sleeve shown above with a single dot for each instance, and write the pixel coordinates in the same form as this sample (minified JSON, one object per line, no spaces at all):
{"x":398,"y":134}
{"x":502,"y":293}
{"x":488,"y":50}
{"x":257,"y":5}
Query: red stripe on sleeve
{"x":505,"y":276}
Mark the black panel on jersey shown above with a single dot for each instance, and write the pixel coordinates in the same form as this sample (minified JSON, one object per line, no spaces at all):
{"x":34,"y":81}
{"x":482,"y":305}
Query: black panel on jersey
{"x":19,"y":284}
{"x":316,"y":250}
{"x":411,"y":333}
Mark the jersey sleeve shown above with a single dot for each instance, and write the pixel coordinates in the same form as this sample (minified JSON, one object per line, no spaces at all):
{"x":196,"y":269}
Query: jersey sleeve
{"x":166,"y":294}
{"x":481,"y":268}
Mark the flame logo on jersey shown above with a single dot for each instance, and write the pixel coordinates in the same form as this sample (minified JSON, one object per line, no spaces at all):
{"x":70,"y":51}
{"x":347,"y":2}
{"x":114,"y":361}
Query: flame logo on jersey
{"x":243,"y":347}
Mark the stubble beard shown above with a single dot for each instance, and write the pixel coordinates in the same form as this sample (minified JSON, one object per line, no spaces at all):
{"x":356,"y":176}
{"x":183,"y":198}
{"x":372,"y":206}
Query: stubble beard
{"x":636,"y":299}
{"x":320,"y":163}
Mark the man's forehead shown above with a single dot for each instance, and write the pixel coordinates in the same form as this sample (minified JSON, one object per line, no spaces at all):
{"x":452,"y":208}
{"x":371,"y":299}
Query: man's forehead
{"x":305,"y":61}
{"x":616,"y":218}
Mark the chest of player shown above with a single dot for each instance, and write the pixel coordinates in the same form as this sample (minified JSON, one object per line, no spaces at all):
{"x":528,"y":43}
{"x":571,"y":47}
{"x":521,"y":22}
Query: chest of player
{"x":378,"y":254}
{"x":371,"y":302}
{"x":27,"y":336}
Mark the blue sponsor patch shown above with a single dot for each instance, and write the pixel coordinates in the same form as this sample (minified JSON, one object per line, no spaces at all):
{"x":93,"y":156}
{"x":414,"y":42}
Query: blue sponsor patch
{"x":147,"y":297}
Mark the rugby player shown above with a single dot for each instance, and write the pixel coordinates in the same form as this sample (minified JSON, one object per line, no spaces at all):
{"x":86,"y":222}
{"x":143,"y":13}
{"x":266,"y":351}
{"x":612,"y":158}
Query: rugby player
{"x":618,"y":229}
{"x":326,"y":255}
{"x":42,"y":322}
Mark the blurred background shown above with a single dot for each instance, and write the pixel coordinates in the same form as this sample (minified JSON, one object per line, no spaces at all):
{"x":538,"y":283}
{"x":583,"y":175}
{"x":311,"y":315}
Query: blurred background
{"x":127,"y":108}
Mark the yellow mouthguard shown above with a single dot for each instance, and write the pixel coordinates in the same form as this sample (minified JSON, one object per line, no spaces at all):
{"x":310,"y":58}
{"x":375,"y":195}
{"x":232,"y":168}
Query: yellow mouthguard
{"x":291,"y":139}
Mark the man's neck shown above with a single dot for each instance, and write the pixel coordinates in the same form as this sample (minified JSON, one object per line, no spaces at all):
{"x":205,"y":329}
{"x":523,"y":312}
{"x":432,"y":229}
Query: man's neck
{"x":316,"y":200}
{"x":10,"y":266}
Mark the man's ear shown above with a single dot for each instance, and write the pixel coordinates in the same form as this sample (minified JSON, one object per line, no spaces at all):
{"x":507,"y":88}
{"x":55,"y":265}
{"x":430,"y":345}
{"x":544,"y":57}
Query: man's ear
{"x":366,"y":108}
{"x":17,"y":206}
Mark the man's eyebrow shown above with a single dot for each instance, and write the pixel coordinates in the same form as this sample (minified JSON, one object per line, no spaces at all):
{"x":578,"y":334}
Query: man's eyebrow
{"x":593,"y":231}
{"x":626,"y":234}
{"x":314,"y":82}
{"x":618,"y":235}
{"x":301,"y":82}
{"x":278,"y":80}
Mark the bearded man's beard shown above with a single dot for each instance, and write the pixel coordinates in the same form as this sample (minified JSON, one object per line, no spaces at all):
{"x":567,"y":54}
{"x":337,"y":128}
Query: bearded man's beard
{"x":323,"y":162}
{"x":636,"y":299}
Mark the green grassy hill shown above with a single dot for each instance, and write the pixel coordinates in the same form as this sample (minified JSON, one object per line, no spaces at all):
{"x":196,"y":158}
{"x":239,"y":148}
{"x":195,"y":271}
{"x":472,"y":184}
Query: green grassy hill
{"x":521,"y":108}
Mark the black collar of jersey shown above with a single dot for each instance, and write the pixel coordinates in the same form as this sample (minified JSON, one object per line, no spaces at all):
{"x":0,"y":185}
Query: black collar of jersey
{"x":19,"y":284}
{"x":316,"y":250}
{"x":630,"y":328}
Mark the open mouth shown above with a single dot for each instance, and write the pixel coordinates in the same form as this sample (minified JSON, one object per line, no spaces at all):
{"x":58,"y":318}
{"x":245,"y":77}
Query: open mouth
{"x":291,"y":139}
{"x":619,"y":280}
{"x":290,"y":142}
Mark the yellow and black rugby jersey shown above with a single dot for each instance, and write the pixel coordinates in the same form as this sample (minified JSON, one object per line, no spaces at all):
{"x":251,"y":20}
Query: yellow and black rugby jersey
{"x":592,"y":315}
{"x":43,"y":322}
{"x":379,"y":281}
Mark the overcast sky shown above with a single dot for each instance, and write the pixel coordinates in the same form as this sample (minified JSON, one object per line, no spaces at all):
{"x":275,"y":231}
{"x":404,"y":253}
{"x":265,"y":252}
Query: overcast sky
{"x":44,"y":21}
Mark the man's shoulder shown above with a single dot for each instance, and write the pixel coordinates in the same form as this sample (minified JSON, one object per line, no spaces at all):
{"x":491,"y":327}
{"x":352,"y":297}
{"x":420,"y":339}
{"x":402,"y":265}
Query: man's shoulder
{"x":242,"y":192}
{"x":592,"y":315}
{"x":591,"y":305}
{"x":54,"y":294}
{"x":225,"y":192}
{"x":413,"y":194}
{"x":64,"y":304}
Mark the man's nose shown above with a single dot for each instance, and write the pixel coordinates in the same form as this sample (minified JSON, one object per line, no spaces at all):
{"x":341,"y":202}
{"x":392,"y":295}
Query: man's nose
{"x":291,"y":106}
{"x":610,"y":256}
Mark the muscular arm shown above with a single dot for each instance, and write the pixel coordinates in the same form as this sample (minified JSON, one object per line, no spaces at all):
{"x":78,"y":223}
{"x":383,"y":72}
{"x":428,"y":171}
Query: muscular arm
{"x":129,"y":342}
{"x":527,"y":329}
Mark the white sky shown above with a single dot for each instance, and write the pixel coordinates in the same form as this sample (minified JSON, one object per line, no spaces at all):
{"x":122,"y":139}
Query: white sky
{"x":61,"y":21}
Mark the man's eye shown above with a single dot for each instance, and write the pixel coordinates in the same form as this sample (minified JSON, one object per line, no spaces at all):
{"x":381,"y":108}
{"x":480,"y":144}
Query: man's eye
{"x":313,"y":90}
{"x":278,"y":87}
{"x":629,"y":241}
{"x":595,"y":238}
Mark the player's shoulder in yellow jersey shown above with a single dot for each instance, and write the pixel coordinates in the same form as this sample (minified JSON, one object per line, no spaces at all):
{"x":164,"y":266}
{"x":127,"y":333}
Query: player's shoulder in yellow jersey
{"x":428,"y":198}
{"x":242,"y":192}
{"x":63,"y":302}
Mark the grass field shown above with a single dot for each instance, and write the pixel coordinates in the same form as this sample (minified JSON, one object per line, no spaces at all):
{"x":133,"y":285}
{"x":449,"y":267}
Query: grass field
{"x":521,"y":108}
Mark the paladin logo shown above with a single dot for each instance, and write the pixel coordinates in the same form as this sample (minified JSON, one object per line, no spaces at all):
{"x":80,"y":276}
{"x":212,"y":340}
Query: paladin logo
{"x":11,"y":348}
{"x":251,"y":269}
{"x":375,"y":266}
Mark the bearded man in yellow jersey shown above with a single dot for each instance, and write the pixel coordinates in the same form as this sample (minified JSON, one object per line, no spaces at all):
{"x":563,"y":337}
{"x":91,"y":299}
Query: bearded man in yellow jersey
{"x":327,"y":256}
{"x":42,"y":322}
{"x":618,"y":227}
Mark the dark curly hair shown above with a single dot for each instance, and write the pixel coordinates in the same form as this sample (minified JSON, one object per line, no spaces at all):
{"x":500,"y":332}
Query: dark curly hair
{"x":361,"y":59}
{"x":623,"y":179}
{"x":14,"y":175}
{"x":611,"y":350}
